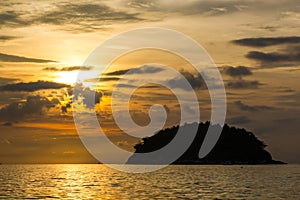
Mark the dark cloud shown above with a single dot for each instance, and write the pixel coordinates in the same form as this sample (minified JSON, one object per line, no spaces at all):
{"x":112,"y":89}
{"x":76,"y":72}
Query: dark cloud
{"x":293,"y":56}
{"x":238,"y":71}
{"x":74,"y":17}
{"x":64,"y":108}
{"x":33,"y":105}
{"x":68,"y":69}
{"x":145,"y":69}
{"x":195,"y":81}
{"x":267,"y":41}
{"x":248,"y":108}
{"x":144,"y":4}
{"x":205,"y":7}
{"x":32,"y":86}
{"x":15,"y":58}
{"x":12,"y":19}
{"x":84,"y":17}
{"x":117,"y":73}
{"x":289,"y":99}
{"x":289,"y":55}
{"x":212,"y":8}
{"x":238,"y":120}
{"x":85,"y":94}
{"x":104,"y":79}
{"x":151,"y":86}
{"x":7,"y":37}
{"x":243,"y":84}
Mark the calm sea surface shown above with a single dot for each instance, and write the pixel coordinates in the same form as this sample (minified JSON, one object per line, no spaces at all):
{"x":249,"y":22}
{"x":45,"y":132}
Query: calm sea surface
{"x":173,"y":182}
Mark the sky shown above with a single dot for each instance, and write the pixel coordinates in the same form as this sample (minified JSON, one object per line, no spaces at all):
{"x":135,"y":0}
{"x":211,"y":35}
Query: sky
{"x":43,"y":45}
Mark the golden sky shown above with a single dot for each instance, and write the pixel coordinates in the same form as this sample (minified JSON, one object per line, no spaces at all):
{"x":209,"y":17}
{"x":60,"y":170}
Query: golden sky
{"x":255,"y":44}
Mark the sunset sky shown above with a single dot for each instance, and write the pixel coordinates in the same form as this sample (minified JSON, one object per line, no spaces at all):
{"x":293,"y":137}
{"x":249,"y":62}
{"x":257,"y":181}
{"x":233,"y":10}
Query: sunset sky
{"x":255,"y":44}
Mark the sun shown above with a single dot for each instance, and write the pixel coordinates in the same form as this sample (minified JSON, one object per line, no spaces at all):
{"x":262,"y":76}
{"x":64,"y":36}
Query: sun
{"x":66,"y":77}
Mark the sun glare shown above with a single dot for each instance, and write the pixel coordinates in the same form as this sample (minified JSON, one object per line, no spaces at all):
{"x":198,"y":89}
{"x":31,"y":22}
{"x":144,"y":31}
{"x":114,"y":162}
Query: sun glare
{"x":66,"y":77}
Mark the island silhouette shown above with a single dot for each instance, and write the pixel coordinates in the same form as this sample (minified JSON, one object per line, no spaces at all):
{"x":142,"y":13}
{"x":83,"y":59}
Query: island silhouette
{"x":235,"y":146}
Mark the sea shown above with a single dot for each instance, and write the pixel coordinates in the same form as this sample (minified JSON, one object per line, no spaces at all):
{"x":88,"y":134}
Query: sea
{"x":96,"y":181}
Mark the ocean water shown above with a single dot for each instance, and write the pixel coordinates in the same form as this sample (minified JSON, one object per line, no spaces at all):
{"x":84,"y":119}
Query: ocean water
{"x":173,"y":182}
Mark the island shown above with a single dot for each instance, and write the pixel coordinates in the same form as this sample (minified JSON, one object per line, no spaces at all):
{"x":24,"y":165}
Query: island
{"x":235,"y":146}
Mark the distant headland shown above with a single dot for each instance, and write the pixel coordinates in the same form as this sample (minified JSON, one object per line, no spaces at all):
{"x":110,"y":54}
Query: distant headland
{"x":235,"y":146}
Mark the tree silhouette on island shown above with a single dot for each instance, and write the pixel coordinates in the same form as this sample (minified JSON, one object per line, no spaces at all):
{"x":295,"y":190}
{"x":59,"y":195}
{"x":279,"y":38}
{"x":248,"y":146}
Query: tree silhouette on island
{"x":235,"y":146}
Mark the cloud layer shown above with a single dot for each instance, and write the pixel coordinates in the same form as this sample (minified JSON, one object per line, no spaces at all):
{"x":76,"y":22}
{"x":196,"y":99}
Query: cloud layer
{"x":267,"y":41}
{"x":238,"y":71}
{"x":271,"y":57}
{"x":32,"y":86}
{"x":254,"y":108}
{"x":195,"y":81}
{"x":69,"y":69}
{"x":145,"y":69}
{"x":74,"y":17}
{"x":14,"y":58}
{"x":243,"y":84}
{"x":287,"y":55}
{"x":33,"y":105}
{"x":7,"y":37}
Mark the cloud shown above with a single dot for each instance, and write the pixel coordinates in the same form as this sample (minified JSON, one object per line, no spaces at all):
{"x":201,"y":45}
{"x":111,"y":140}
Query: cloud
{"x":238,"y":71}
{"x":267,"y":41}
{"x":68,"y":69}
{"x":85,"y":94}
{"x":125,"y":86}
{"x":12,"y":19}
{"x":64,"y":108}
{"x":32,"y":86}
{"x":117,"y":73}
{"x":145,"y":69}
{"x":15,"y":58}
{"x":238,"y":120}
{"x":212,"y":8}
{"x":4,"y":81}
{"x":7,"y":37}
{"x":75,"y":17}
{"x":33,"y":105}
{"x":243,"y":84}
{"x":74,"y":68}
{"x":84,"y":17}
{"x":289,"y":55}
{"x":190,"y":7}
{"x":151,"y":86}
{"x":248,"y":108}
{"x":293,"y":56}
{"x":53,"y":69}
{"x":195,"y":81}
{"x":114,"y":75}
{"x":142,"y":4}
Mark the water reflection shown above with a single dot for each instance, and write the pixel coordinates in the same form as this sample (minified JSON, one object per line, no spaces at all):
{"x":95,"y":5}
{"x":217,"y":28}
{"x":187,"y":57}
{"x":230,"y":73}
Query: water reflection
{"x":185,"y":182}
